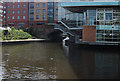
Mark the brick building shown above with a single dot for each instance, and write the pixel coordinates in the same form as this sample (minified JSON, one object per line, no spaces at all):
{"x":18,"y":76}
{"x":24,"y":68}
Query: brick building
{"x":17,"y":14}
{"x":42,"y":16}
{"x":1,"y":12}
{"x":41,"y":13}
{"x":29,"y":14}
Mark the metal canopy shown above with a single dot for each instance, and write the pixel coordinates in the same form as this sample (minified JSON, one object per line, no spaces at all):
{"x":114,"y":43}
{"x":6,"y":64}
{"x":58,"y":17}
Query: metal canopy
{"x":80,"y":9}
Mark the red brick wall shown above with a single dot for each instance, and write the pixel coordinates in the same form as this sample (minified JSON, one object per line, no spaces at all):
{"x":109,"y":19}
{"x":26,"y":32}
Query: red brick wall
{"x":89,"y":33}
{"x":0,"y":14}
{"x":10,"y":14}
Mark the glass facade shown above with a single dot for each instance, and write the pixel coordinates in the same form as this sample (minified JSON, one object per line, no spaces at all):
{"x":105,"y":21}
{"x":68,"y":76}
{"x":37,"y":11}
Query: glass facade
{"x":50,"y":11}
{"x":103,"y":15}
{"x":109,"y":28}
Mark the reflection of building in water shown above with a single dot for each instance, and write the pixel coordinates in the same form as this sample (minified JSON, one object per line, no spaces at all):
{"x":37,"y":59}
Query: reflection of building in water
{"x":98,"y":20}
{"x":107,"y":65}
{"x":94,"y":64}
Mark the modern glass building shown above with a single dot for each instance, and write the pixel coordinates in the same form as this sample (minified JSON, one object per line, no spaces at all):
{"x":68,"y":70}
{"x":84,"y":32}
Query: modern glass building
{"x":99,"y":20}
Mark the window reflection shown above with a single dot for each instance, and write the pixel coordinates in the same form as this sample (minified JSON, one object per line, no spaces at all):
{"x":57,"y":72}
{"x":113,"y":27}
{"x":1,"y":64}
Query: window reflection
{"x":108,"y":16}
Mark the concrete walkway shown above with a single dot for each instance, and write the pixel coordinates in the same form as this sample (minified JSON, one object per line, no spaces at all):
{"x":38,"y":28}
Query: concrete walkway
{"x":22,"y":40}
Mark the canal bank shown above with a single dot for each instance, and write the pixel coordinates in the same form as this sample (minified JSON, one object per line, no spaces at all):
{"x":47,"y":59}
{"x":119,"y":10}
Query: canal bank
{"x":23,"y":41}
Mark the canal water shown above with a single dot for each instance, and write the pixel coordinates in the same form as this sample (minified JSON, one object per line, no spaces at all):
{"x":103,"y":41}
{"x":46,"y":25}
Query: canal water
{"x":53,"y":61}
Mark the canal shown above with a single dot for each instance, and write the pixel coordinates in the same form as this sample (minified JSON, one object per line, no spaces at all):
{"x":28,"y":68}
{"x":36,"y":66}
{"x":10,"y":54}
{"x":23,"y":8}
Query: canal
{"x":53,"y":61}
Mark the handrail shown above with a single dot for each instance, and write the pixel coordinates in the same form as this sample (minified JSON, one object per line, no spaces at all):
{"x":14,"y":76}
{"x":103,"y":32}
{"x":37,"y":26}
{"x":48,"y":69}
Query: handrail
{"x":64,"y":24}
{"x":68,"y":26}
{"x":62,"y":29}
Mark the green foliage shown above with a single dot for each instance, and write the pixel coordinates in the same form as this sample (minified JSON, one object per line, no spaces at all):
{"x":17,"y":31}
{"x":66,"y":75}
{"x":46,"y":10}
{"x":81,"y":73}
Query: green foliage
{"x":14,"y":34}
{"x":0,"y":34}
{"x":12,"y":28}
{"x":30,"y":30}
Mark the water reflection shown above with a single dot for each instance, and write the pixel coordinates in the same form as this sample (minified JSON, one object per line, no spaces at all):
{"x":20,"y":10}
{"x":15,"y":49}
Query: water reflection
{"x":36,"y":61}
{"x":49,"y":61}
{"x":94,"y":63}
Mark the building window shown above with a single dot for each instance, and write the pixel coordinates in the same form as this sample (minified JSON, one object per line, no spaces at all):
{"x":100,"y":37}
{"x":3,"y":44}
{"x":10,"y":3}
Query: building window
{"x":43,"y":17}
{"x":43,"y":10}
{"x":100,"y":16}
{"x":31,"y":5}
{"x":50,"y":3}
{"x":56,"y":16}
{"x":8,"y":17}
{"x":18,"y":17}
{"x":37,"y":5}
{"x":24,"y":17}
{"x":104,"y":14}
{"x":108,"y":16}
{"x":43,"y":5}
{"x":37,"y":16}
{"x":56,"y":4}
{"x":24,"y":6}
{"x":50,"y":10}
{"x":37,"y":11}
{"x":13,"y":17}
{"x":18,"y":0}
{"x":8,"y":12}
{"x":24,"y":1}
{"x":8,"y":6}
{"x":18,"y":6}
{"x":31,"y":17}
{"x":13,"y":12}
{"x":24,"y":11}
{"x":13,"y":6}
{"x":57,"y":10}
{"x":18,"y":12}
{"x":31,"y":11}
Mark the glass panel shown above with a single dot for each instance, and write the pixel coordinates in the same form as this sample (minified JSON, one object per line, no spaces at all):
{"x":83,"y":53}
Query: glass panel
{"x":108,"y":16}
{"x":100,"y":16}
{"x":100,"y":10}
{"x":116,"y":14}
{"x":108,"y":10}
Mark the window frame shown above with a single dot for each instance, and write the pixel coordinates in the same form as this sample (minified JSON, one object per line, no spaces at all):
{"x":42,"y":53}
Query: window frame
{"x":104,"y":12}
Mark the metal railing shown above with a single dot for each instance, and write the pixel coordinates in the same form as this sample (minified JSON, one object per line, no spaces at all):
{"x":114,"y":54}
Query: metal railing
{"x":63,"y":23}
{"x":62,"y":29}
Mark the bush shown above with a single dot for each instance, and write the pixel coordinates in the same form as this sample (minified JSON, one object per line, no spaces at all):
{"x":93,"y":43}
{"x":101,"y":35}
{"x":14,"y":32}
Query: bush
{"x":14,"y":34}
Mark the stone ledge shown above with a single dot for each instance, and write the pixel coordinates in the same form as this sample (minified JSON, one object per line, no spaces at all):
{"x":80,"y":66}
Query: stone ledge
{"x":24,"y":40}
